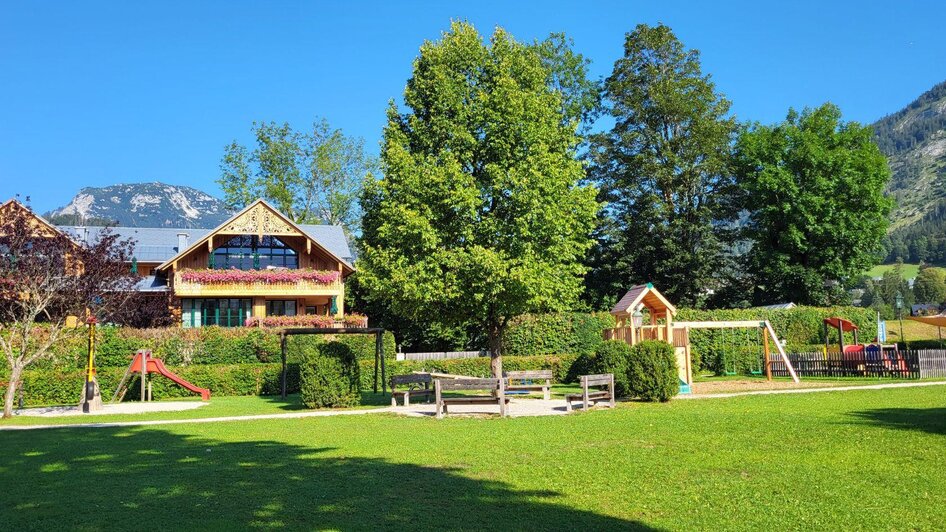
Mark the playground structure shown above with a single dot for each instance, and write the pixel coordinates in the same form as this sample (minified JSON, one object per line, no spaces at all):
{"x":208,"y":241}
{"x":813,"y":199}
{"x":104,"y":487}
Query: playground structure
{"x":630,"y":328}
{"x":858,"y":356}
{"x":143,"y":363}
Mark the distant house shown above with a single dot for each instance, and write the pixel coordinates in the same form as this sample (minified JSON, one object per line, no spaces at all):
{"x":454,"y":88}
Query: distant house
{"x":924,"y":310}
{"x":258,"y":263}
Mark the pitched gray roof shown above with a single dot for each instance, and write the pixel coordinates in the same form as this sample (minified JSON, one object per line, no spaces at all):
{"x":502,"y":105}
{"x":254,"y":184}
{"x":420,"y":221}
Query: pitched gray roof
{"x":158,"y":244}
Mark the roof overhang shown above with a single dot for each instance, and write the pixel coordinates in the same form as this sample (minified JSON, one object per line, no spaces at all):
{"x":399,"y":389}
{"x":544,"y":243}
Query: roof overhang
{"x":938,"y":320}
{"x":643,"y":295}
{"x":347,"y":269}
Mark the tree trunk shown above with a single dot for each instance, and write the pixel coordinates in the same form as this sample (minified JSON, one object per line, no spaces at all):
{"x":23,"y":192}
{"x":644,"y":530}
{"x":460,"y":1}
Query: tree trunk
{"x":8,"y":398}
{"x":495,"y":351}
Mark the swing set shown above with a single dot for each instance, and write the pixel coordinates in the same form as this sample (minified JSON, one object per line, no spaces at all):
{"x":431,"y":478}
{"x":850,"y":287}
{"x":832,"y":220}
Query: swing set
{"x":729,"y":353}
{"x":629,"y":314}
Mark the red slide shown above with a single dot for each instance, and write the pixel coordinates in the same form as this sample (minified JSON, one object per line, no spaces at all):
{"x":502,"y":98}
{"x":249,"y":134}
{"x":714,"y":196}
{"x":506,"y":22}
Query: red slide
{"x":156,"y":365}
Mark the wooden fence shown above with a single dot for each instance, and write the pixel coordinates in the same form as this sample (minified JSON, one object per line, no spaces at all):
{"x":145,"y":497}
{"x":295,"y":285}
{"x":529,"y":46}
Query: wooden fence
{"x":932,"y":362}
{"x":903,"y":365}
{"x":441,"y":355}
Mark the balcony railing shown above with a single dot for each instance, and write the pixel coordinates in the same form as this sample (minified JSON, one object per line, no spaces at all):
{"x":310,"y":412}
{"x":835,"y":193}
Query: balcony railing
{"x":187,"y":283}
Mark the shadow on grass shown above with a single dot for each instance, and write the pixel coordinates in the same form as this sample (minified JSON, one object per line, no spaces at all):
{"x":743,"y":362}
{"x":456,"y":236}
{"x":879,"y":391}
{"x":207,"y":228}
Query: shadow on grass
{"x":931,"y":420}
{"x":293,"y":402}
{"x":154,"y":479}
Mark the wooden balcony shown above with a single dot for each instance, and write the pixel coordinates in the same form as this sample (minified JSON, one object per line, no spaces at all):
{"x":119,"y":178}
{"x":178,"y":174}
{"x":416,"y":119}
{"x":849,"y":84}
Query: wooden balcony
{"x":647,"y":332}
{"x":263,"y":289}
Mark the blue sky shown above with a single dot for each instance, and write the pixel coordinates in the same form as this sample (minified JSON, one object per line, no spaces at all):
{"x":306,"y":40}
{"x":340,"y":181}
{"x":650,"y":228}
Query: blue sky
{"x":93,"y":94}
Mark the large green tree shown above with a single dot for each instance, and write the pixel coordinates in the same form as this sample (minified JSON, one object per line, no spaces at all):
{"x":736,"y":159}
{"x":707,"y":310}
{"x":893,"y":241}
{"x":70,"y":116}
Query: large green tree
{"x":663,"y":172}
{"x":312,"y":177}
{"x":480,"y":216}
{"x":813,"y":187}
{"x":930,"y":285}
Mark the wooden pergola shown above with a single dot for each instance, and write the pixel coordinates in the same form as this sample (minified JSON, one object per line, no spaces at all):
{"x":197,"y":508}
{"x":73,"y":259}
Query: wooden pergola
{"x":378,"y":333}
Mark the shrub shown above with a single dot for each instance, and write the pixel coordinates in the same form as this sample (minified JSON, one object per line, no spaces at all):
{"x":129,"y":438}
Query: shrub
{"x":611,"y":356}
{"x":330,"y":376}
{"x":652,"y":371}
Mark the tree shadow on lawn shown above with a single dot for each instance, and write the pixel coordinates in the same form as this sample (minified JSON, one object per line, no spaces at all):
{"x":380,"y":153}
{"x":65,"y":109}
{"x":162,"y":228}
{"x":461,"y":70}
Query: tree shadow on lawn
{"x":154,"y":479}
{"x":293,"y":402}
{"x":931,"y":420}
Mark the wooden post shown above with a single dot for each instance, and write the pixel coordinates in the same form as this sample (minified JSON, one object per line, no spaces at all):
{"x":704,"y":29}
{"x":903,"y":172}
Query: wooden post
{"x":437,"y":396}
{"x":379,"y":347}
{"x":502,"y":398}
{"x":611,"y":389}
{"x":282,"y":346}
{"x":376,"y":363}
{"x":765,"y":354}
{"x":144,"y":374}
{"x":584,"y":393}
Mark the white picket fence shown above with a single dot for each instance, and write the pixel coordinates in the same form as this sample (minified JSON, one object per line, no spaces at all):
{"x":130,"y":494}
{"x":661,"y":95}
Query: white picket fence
{"x":932,"y":362}
{"x":440,"y":355}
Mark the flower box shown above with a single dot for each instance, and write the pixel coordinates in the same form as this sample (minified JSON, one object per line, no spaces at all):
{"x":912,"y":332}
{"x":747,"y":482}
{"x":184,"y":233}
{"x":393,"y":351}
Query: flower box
{"x":210,"y":276}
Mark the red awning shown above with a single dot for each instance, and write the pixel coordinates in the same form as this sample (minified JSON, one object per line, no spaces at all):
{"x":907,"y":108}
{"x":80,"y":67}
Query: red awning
{"x":841,"y":323}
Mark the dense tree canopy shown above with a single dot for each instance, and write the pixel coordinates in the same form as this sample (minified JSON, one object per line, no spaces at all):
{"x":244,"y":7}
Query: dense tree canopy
{"x":663,"y":172}
{"x":480,"y":216}
{"x":813,"y":187}
{"x":313,"y":177}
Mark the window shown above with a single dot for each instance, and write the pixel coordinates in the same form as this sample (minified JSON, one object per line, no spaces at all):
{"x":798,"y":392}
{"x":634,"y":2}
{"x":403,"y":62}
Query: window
{"x":250,"y":252}
{"x":281,"y":308}
{"x":221,"y":312}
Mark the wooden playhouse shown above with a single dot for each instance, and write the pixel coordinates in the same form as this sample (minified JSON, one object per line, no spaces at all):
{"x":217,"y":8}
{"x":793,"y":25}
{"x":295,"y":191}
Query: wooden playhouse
{"x":645,"y":314}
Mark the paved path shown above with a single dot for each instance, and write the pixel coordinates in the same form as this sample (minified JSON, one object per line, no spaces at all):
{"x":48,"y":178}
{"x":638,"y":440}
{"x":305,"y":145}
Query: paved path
{"x":517,"y":408}
{"x":103,"y":424}
{"x":813,"y":390}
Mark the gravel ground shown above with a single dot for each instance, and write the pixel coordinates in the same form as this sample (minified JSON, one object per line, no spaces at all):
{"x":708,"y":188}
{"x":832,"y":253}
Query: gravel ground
{"x":751,"y":385}
{"x":119,"y":408}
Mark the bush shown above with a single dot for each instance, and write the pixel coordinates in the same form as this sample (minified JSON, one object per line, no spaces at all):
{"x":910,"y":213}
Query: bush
{"x":652,"y":371}
{"x":545,"y":334}
{"x":611,"y":356}
{"x":330,"y":376}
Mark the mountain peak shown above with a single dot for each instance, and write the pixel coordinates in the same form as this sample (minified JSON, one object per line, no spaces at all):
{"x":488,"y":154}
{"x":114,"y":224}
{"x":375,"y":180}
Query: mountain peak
{"x":151,"y":204}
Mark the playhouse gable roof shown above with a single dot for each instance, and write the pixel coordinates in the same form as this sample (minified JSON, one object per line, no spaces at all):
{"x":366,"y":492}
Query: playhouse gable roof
{"x":646,"y":295}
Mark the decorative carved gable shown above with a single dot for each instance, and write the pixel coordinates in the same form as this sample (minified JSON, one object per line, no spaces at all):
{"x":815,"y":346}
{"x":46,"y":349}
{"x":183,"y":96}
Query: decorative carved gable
{"x":259,"y":220}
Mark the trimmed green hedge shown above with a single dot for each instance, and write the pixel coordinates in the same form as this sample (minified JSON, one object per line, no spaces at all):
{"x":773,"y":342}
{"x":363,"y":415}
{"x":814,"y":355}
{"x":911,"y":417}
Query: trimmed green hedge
{"x":46,"y":387}
{"x":548,"y":334}
{"x":63,"y":386}
{"x":115,"y":346}
{"x":719,"y":350}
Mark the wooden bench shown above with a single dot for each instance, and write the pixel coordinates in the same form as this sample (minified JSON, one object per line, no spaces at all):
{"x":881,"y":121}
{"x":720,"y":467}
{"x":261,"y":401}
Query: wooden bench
{"x":530,"y":380}
{"x":412,"y":384}
{"x":495,"y":388}
{"x":587,"y":396}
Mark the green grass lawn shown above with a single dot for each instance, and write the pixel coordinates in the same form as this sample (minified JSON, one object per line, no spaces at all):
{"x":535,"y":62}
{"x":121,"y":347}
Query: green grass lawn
{"x":909,"y":270}
{"x":858,"y":459}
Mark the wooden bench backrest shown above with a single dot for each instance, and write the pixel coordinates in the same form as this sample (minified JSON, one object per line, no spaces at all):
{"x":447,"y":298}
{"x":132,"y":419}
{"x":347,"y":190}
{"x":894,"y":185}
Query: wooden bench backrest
{"x":536,"y":374}
{"x":470,"y":384}
{"x":602,"y":379}
{"x":411,"y":378}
